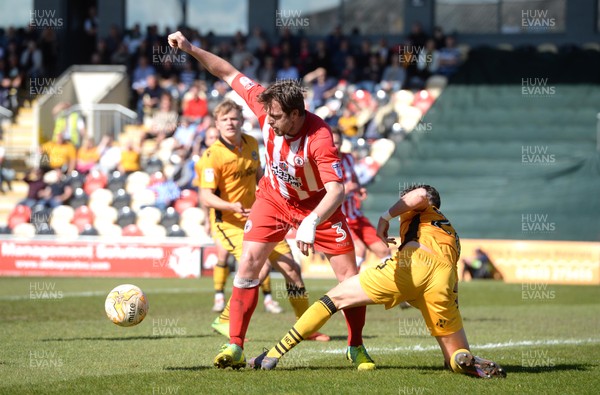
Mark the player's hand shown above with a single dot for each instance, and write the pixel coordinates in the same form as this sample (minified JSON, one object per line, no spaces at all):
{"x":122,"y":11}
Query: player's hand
{"x":383,"y":226}
{"x":238,"y":208}
{"x":305,"y":235}
{"x":178,"y":40}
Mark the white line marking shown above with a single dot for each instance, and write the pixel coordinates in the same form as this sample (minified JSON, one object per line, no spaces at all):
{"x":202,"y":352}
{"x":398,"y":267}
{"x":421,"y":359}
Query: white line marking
{"x":104,"y":293}
{"x":486,"y":346}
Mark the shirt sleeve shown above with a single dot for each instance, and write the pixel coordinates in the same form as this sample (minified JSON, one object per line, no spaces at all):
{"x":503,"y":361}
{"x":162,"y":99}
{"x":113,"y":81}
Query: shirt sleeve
{"x":249,"y":91}
{"x":323,"y":151}
{"x":210,"y":174}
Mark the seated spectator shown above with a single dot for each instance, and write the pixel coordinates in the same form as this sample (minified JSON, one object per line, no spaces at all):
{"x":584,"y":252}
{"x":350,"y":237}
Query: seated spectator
{"x":59,"y":155}
{"x":287,"y":71}
{"x":164,"y":121}
{"x":130,"y":158}
{"x":267,"y":73}
{"x":89,"y":154}
{"x":110,"y":157}
{"x":166,"y":190}
{"x":348,"y":123}
{"x":322,"y":86}
{"x":57,"y":191}
{"x":184,"y":134}
{"x":350,"y":73}
{"x":35,"y":182}
{"x":149,"y":98}
{"x":202,"y":143}
{"x":250,"y":67}
{"x":371,"y":74}
{"x":393,"y":75}
{"x":139,"y":78}
{"x":194,"y":104}
{"x":32,"y":60}
{"x":6,"y":173}
{"x":480,"y":267}
{"x":68,"y":123}
{"x":449,"y":58}
{"x":188,"y":75}
{"x":121,"y":55}
{"x":428,"y":61}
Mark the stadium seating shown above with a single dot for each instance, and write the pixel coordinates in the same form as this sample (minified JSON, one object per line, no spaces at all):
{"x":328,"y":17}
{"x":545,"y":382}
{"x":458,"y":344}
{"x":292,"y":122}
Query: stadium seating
{"x":132,"y":230}
{"x":175,"y":231}
{"x":169,"y":218}
{"x":79,"y":198}
{"x":126,"y":217}
{"x":83,"y":216}
{"x":473,"y":154}
{"x":20,"y":214}
{"x":121,"y":199}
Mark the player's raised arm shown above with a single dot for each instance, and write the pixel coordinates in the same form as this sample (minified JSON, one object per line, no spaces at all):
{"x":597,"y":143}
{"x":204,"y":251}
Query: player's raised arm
{"x":415,"y":200}
{"x":215,"y":65}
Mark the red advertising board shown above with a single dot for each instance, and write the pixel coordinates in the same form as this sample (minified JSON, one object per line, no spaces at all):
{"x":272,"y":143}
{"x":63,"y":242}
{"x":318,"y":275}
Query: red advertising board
{"x":98,"y":258}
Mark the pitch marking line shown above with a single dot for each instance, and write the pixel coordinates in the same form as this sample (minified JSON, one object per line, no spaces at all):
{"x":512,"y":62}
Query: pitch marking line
{"x":486,"y":346}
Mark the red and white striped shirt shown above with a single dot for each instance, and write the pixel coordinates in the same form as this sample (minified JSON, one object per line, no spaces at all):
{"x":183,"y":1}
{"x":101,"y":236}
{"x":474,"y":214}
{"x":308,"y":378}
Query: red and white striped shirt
{"x":297,"y":167}
{"x":350,"y":205}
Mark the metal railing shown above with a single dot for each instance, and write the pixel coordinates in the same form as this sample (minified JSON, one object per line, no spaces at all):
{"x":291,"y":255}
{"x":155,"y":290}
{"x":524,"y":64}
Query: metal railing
{"x":103,"y":119}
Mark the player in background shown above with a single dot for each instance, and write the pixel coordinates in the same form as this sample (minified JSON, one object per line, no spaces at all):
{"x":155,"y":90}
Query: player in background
{"x":302,"y":188}
{"x":221,"y":269}
{"x":231,"y":170}
{"x":363,"y":232}
{"x":423,"y":271}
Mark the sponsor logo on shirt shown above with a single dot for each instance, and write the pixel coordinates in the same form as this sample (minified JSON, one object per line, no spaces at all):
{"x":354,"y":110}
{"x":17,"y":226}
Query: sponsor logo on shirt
{"x":280,"y":171}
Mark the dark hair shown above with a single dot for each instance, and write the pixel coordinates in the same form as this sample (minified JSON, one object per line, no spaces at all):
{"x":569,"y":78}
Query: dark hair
{"x":433,"y":195}
{"x":287,"y":93}
{"x":335,"y":130}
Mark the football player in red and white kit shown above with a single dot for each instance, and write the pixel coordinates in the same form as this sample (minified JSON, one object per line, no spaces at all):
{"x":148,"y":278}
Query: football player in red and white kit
{"x":364,"y":233}
{"x":302,"y":188}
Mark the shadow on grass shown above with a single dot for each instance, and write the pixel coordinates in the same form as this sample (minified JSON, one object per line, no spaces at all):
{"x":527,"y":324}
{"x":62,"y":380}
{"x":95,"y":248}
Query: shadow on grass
{"x":188,"y":368}
{"x":68,"y":339}
{"x":560,"y":367}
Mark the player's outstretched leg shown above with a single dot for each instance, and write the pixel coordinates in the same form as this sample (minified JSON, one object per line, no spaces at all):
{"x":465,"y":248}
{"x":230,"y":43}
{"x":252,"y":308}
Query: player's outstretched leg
{"x":462,"y":361}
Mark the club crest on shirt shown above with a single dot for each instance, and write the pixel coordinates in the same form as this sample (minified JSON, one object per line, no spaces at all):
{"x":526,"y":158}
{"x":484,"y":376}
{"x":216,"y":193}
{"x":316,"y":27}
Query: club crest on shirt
{"x":298,"y":161}
{"x":209,"y":175}
{"x":254,"y":155}
{"x":247,"y":83}
{"x":248,"y":226}
{"x":337,"y":167}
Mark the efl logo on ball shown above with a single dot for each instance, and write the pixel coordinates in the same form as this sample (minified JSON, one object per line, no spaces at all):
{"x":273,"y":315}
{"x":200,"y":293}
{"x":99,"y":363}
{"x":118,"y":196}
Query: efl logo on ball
{"x":126,"y":305}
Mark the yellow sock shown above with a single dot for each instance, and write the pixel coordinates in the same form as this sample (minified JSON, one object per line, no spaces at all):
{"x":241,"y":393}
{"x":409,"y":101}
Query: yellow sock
{"x":298,"y":299}
{"x":220,"y":274}
{"x":456,"y":368}
{"x":224,"y":317}
{"x":266,"y":285}
{"x":311,"y":321}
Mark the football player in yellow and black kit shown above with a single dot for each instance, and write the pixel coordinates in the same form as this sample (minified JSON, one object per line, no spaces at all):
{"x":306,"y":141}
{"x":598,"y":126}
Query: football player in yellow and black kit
{"x":230,"y":171}
{"x":422,"y":272}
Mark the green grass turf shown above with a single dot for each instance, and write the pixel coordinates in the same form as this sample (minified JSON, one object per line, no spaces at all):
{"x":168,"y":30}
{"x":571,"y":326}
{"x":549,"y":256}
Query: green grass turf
{"x":548,"y":342}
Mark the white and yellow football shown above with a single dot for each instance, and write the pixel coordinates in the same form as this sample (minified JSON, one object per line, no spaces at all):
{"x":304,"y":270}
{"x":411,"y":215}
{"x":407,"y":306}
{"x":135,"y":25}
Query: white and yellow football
{"x":126,"y":305}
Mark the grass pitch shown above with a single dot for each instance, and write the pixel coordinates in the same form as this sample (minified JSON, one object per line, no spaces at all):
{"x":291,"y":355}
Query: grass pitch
{"x":55,"y":338}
